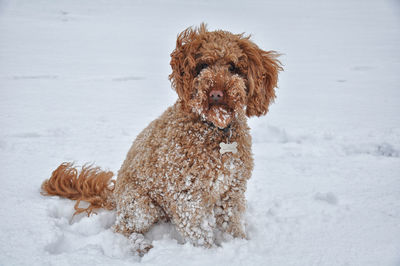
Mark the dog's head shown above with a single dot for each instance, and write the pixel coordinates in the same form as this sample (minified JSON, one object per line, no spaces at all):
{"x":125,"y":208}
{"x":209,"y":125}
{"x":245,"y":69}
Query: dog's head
{"x":219,"y":74}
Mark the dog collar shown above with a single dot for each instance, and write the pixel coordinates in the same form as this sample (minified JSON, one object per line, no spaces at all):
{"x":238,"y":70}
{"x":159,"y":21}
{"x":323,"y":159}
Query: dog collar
{"x":225,"y":147}
{"x":225,"y":129}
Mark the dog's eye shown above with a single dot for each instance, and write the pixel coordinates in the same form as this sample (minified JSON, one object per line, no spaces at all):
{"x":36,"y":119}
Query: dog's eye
{"x":233,"y":69}
{"x":200,"y":67}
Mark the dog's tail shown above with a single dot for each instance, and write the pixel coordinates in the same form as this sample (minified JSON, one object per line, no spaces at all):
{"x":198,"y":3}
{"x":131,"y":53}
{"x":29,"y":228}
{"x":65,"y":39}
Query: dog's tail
{"x":91,"y":184}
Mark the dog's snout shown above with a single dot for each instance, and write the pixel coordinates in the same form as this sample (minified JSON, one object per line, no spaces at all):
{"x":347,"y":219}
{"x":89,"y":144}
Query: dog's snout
{"x":216,"y":96}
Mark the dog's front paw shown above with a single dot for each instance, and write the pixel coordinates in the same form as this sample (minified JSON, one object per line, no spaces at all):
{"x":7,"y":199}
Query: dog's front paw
{"x":238,"y":233}
{"x":139,"y":244}
{"x":236,"y":229}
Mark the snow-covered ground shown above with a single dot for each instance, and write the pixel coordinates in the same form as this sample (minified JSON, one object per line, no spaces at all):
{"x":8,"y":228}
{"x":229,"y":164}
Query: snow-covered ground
{"x":80,"y":79}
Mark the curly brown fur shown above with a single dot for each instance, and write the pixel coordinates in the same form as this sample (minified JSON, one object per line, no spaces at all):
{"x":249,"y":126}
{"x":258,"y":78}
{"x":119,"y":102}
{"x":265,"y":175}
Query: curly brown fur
{"x":91,"y":185}
{"x":174,"y":170}
{"x":258,"y":68}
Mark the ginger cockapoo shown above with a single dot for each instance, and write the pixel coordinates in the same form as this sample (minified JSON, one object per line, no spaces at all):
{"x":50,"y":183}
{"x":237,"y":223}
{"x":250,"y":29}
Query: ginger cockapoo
{"x":190,"y":166}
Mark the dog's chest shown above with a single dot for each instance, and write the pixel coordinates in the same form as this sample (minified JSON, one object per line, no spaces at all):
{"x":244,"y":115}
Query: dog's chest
{"x":222,"y":166}
{"x":188,"y":160}
{"x":226,"y":175}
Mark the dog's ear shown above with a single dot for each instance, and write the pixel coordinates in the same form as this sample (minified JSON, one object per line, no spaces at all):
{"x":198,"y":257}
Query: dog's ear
{"x":183,"y":61}
{"x":262,"y":77}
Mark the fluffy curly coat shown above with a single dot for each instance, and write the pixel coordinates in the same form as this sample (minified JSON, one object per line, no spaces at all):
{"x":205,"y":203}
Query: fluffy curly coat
{"x":175,"y":170}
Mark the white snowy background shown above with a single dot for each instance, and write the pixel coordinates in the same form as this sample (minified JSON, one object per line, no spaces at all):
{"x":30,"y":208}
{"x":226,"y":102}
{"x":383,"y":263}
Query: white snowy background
{"x":80,"y":79}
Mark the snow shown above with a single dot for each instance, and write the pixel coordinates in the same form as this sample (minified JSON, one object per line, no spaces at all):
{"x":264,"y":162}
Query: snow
{"x":80,"y":79}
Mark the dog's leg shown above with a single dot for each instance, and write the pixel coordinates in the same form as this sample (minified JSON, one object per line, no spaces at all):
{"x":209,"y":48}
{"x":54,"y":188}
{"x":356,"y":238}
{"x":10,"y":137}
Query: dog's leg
{"x":136,"y":213}
{"x":194,"y":220}
{"x":229,"y":212}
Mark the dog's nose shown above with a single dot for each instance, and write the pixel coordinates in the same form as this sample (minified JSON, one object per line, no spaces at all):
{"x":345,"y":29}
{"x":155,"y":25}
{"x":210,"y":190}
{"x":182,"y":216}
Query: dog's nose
{"x":216,"y":96}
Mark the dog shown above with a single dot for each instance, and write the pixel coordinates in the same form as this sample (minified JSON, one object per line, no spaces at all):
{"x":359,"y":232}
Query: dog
{"x":190,"y":166}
